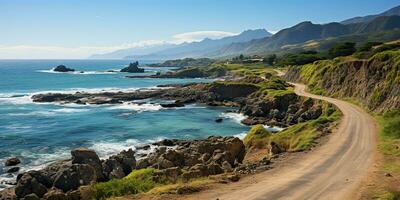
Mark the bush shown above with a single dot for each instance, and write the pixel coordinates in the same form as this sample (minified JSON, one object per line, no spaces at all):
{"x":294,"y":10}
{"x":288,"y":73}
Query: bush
{"x":256,"y":132}
{"x":386,"y":47}
{"x":136,"y":182}
{"x":342,"y":49}
{"x":368,"y":46}
{"x":299,"y":58}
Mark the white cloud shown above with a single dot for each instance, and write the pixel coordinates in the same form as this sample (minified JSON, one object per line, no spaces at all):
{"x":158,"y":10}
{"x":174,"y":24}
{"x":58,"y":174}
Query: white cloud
{"x":199,"y":35}
{"x":58,"y":52}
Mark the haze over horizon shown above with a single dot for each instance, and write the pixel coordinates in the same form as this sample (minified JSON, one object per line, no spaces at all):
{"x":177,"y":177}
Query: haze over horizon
{"x":78,"y":29}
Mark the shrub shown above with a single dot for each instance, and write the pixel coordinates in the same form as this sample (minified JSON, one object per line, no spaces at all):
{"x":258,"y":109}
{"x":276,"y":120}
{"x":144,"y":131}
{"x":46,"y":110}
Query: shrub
{"x":368,"y":46}
{"x":256,"y":132}
{"x":299,"y":58}
{"x":342,"y":49}
{"x":136,"y":182}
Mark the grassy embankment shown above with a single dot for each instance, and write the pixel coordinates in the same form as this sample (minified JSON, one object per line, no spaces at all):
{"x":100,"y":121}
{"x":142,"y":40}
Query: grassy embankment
{"x":389,"y":147}
{"x":298,"y":137}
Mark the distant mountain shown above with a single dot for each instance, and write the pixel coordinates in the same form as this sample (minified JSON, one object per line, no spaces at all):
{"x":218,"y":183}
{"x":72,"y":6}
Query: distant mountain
{"x":119,"y":54}
{"x":369,"y":18}
{"x":202,"y":48}
{"x":307,"y":31}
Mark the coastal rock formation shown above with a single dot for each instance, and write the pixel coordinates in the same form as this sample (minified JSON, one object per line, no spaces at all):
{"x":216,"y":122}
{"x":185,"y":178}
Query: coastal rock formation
{"x":133,"y":68}
{"x":63,"y":178}
{"x":63,"y":68}
{"x":12,"y":161}
{"x":174,"y":158}
{"x":262,"y":105}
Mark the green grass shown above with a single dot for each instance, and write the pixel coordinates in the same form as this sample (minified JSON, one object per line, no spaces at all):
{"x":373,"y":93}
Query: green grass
{"x":256,"y":133}
{"x":136,"y":182}
{"x":298,"y":137}
{"x":389,"y":146}
{"x":390,"y":133}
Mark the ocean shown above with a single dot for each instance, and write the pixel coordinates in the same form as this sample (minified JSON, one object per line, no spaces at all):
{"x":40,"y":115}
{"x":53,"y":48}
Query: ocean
{"x":41,"y":133}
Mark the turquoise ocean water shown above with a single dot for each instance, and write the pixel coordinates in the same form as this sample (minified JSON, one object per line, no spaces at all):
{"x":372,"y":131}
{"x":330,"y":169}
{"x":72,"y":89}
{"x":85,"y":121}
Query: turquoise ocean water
{"x":43,"y":133}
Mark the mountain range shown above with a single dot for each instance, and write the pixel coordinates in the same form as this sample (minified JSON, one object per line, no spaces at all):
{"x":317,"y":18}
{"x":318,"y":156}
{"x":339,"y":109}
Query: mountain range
{"x":184,"y":50}
{"x":368,"y":18}
{"x":260,"y":41}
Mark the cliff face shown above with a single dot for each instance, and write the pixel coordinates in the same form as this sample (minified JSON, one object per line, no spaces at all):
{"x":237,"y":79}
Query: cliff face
{"x":374,"y":82}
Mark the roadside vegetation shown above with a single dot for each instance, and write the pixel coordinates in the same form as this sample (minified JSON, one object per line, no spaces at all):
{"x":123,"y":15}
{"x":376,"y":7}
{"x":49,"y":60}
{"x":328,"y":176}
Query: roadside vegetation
{"x":299,"y":137}
{"x":336,"y":77}
{"x":389,"y":146}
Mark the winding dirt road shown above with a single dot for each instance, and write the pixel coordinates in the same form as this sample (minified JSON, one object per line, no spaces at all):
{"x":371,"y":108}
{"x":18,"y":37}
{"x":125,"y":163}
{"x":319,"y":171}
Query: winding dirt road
{"x":334,"y":170}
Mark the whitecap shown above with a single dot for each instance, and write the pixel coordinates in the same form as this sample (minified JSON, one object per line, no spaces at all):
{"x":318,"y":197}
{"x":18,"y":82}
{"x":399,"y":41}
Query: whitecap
{"x":241,"y":135}
{"x":237,"y":117}
{"x":69,"y":110}
{"x":137,"y":107}
{"x":15,"y":99}
{"x":77,"y":72}
{"x":105,"y":149}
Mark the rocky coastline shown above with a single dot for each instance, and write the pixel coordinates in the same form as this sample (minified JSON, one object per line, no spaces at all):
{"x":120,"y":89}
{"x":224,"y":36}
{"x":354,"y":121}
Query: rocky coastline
{"x":281,"y":110}
{"x":263,"y":100}
{"x":174,"y":159}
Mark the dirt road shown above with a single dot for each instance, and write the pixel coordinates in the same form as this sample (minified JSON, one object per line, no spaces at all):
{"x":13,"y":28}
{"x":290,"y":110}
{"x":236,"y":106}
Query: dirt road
{"x":332,"y":171}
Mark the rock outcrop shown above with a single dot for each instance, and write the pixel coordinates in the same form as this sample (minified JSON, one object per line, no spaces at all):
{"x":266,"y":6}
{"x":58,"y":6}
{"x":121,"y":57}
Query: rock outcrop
{"x":274,"y":107}
{"x":62,"y":180}
{"x":12,"y":161}
{"x":374,"y":82}
{"x":63,"y":68}
{"x":133,"y":68}
{"x":175,"y":159}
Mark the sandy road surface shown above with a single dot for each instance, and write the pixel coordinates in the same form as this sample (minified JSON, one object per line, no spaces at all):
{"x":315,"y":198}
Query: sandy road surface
{"x":332,"y":171}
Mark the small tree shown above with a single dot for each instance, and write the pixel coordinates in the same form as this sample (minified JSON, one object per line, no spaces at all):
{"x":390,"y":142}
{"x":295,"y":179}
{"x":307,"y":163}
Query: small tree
{"x":342,"y":49}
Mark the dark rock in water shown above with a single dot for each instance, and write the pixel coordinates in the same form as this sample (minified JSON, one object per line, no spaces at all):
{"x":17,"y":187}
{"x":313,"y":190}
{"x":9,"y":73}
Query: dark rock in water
{"x":172,"y":105}
{"x":13,"y":170}
{"x":165,"y":142}
{"x":219,"y":120}
{"x":144,"y":147}
{"x":63,"y":68}
{"x":12,"y":161}
{"x":133,"y":68}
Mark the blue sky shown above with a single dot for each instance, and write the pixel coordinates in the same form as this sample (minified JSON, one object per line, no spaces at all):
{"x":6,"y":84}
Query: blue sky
{"x":100,"y":26}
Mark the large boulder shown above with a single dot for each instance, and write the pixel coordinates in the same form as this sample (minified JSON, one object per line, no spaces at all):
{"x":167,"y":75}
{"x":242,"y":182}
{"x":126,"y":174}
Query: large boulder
{"x":12,"y":161}
{"x":89,"y":157}
{"x":32,"y":182}
{"x":127,"y":160}
{"x":63,"y":68}
{"x":113,"y":169}
{"x":133,"y":68}
{"x":71,"y":178}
